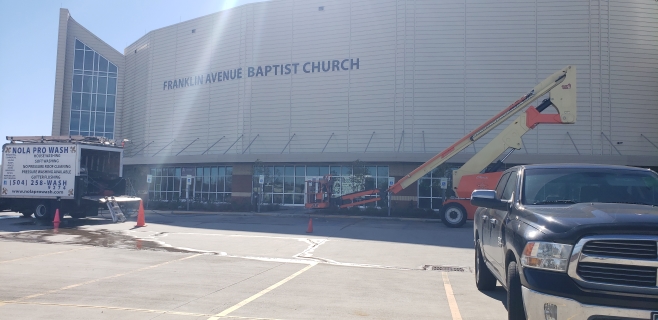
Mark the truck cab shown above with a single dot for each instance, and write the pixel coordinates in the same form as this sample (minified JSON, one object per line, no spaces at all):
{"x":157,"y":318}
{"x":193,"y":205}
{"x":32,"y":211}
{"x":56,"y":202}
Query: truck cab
{"x":570,"y":241}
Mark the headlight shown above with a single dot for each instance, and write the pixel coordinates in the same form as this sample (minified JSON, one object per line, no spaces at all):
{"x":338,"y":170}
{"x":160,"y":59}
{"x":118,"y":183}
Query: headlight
{"x":546,"y":255}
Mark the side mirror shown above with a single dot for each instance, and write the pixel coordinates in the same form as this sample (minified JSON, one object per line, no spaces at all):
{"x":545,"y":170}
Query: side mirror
{"x":487,"y":199}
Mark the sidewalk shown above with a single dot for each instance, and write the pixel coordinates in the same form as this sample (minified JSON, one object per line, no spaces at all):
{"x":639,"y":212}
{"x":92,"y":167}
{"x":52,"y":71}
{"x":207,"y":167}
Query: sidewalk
{"x":292,"y":212}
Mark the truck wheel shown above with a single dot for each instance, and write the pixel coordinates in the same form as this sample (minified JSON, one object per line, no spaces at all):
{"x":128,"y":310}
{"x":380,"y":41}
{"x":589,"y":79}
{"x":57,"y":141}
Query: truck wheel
{"x":515,"y":309}
{"x":484,"y":279}
{"x":42,"y":211}
{"x":454,"y":215}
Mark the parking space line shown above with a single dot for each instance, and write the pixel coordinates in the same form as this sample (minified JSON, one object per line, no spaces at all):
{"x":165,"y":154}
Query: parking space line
{"x":43,"y":255}
{"x":101,"y":279}
{"x":452,"y":302}
{"x":260,"y":294}
{"x":178,"y":313}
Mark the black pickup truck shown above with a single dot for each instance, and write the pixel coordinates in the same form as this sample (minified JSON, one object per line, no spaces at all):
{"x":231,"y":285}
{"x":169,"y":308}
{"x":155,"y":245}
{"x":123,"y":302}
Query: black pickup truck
{"x":570,"y":241}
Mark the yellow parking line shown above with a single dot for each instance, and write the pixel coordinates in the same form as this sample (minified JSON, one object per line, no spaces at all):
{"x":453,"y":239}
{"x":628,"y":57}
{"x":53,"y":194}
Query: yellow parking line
{"x":43,"y":255}
{"x":452,"y":302}
{"x":258,"y":295}
{"x":178,"y":313}
{"x":101,"y":279}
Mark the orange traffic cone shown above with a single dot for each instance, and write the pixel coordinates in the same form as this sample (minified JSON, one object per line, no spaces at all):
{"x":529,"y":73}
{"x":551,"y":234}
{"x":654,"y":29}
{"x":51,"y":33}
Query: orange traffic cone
{"x":140,"y":216}
{"x":310,"y":226}
{"x":57,"y":220}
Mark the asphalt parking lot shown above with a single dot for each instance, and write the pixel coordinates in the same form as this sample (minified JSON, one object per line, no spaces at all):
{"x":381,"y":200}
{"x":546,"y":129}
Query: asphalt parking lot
{"x":210,"y":266}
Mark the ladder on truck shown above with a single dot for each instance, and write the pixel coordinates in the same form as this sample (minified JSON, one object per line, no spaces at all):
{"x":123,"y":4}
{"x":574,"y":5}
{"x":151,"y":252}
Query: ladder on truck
{"x":115,"y":210}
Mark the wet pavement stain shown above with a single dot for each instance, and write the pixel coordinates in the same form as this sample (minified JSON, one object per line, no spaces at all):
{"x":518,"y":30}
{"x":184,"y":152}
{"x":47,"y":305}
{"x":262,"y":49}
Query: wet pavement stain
{"x":96,"y":238}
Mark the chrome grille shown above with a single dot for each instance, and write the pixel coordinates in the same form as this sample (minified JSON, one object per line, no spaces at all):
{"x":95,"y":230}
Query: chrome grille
{"x":633,"y":249}
{"x":622,"y":263}
{"x":618,"y":274}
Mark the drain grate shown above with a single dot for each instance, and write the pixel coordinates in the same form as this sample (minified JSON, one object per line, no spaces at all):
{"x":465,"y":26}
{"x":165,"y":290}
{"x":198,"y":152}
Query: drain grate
{"x":428,"y":267}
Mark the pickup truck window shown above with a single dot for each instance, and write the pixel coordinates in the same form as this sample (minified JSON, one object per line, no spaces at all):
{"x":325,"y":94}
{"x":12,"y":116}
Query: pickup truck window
{"x":501,"y":185}
{"x":510,"y":186}
{"x":576,"y":185}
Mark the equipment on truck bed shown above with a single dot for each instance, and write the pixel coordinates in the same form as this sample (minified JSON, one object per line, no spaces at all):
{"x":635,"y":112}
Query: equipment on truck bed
{"x":561,"y":88}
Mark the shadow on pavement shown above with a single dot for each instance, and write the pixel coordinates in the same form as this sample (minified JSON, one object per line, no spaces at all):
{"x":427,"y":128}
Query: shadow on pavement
{"x":402,"y":231}
{"x":499,"y":294}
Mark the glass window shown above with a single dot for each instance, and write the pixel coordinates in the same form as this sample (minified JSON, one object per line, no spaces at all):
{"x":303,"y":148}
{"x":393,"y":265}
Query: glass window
{"x":289,"y":171}
{"x":288,"y":184}
{"x":77,"y":83}
{"x":109,"y":104}
{"x":92,"y":123}
{"x":278,"y":171}
{"x":510,"y":187}
{"x":93,"y":102}
{"x":102,"y":64}
{"x":334,"y":170}
{"x":346,"y":171}
{"x":100,"y":122}
{"x":79,"y":59}
{"x":501,"y":185}
{"x":371,"y":171}
{"x":382,"y":171}
{"x":75,"y":121}
{"x":299,"y":184}
{"x":84,"y":121}
{"x":76,"y":101}
{"x":228,"y":183}
{"x":89,"y":60}
{"x":96,"y":61}
{"x":102,"y":85}
{"x":87,"y":83}
{"x":199,"y":171}
{"x":89,"y":80}
{"x":229,"y":171}
{"x":86,"y":102}
{"x":324,"y":170}
{"x":300,"y":171}
{"x":100,"y":102}
{"x":312,"y":171}
{"x":109,"y":122}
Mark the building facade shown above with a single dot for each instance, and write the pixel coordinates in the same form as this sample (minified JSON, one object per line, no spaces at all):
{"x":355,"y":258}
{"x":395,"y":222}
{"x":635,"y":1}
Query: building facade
{"x":297,"y":89}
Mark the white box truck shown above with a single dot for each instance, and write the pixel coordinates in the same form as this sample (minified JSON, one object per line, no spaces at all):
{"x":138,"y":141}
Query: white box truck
{"x":75,"y":174}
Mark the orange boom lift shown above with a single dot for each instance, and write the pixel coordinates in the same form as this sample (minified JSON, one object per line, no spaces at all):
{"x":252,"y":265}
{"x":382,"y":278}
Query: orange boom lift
{"x":561,"y":88}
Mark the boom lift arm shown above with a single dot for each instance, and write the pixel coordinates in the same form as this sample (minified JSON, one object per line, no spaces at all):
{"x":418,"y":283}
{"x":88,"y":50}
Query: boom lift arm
{"x":561,"y":87}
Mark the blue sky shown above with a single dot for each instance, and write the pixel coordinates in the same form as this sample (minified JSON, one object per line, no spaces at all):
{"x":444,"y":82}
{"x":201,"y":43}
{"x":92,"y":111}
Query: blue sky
{"x":28,"y":47}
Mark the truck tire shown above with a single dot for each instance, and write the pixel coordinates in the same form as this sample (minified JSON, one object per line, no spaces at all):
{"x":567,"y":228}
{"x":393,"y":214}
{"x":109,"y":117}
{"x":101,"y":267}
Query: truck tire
{"x":42,"y":211}
{"x":453,"y":215}
{"x":515,"y":309}
{"x":484,"y":279}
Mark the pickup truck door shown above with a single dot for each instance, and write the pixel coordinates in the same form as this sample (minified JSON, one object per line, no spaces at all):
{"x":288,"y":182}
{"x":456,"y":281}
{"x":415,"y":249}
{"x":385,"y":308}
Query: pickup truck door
{"x":497,"y":221}
{"x":489,"y":240}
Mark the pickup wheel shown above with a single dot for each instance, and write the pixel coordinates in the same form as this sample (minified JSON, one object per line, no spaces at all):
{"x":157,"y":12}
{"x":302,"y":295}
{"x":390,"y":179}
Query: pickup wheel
{"x":42,"y":211}
{"x":453,"y":215}
{"x":484,"y":279}
{"x":515,"y":309}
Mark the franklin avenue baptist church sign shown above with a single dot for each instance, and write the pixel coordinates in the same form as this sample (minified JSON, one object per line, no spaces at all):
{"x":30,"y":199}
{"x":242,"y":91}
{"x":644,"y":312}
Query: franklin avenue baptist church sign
{"x":264,"y":71}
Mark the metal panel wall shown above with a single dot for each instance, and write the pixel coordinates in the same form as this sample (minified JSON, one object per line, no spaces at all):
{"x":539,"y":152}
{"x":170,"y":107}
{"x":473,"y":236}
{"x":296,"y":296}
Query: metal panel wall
{"x":429,"y":72}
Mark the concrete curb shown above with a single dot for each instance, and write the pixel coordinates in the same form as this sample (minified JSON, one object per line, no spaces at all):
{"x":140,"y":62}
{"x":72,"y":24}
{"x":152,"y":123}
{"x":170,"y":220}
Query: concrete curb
{"x":280,"y":214}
